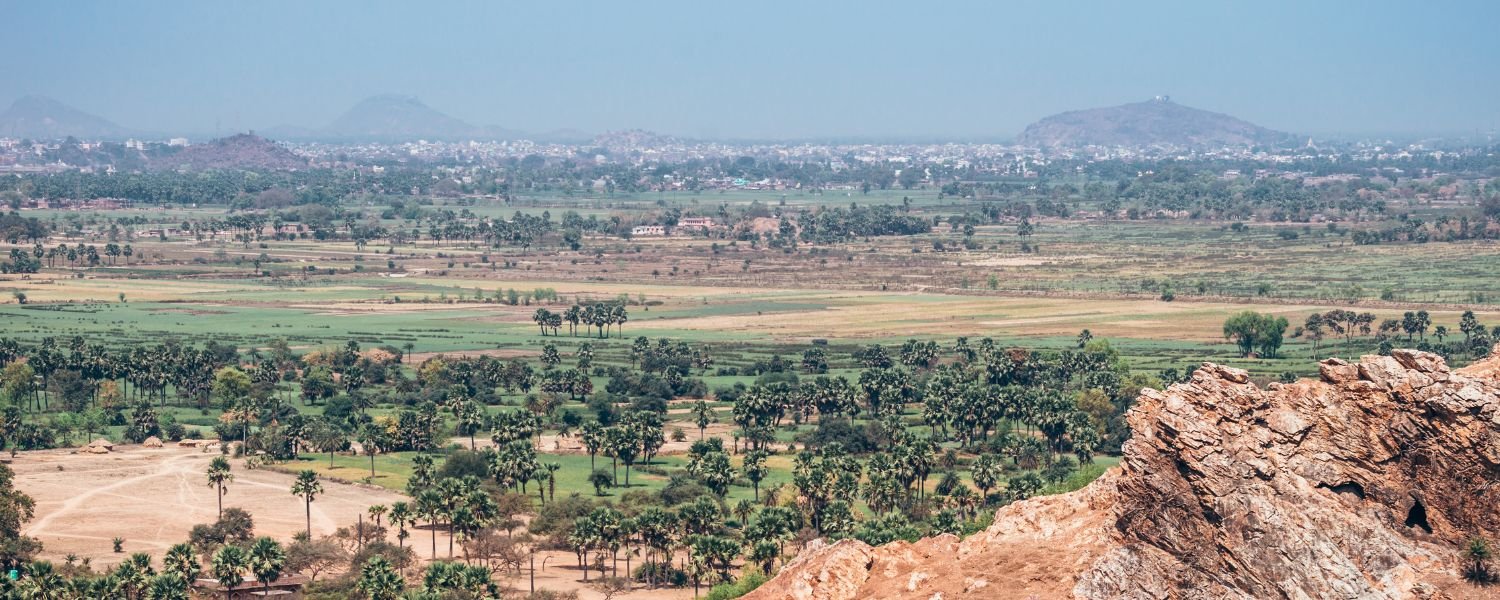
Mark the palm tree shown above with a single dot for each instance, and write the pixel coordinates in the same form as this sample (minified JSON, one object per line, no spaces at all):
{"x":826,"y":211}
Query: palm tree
{"x":552,"y":469}
{"x":374,"y":439}
{"x":41,"y":582}
{"x":471,"y":418}
{"x":430,"y":505}
{"x":308,"y":487}
{"x":266,"y":559}
{"x":227,"y":567}
{"x":218,"y":477}
{"x":702,"y":416}
{"x":401,"y":516}
{"x":167,"y":586}
{"x":377,"y":511}
{"x":755,"y":469}
{"x":181,"y":560}
{"x":379,"y":580}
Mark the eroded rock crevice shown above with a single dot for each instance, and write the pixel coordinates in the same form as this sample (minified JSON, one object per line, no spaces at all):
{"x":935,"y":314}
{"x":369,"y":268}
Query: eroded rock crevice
{"x":1363,"y":483}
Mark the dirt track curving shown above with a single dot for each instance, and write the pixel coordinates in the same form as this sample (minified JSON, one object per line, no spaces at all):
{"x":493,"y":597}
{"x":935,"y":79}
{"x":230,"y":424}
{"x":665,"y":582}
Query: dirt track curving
{"x":151,"y":497}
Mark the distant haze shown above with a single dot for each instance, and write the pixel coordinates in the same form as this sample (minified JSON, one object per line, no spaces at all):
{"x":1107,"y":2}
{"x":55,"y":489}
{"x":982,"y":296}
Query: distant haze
{"x":762,"y":70}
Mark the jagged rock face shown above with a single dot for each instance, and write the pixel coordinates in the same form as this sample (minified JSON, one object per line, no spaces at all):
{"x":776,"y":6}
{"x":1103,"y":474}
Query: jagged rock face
{"x":1363,"y":484}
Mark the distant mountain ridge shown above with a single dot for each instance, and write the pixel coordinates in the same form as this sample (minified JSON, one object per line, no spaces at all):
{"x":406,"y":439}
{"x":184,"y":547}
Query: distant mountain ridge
{"x":1156,"y":122}
{"x":396,"y":118}
{"x":43,"y":118}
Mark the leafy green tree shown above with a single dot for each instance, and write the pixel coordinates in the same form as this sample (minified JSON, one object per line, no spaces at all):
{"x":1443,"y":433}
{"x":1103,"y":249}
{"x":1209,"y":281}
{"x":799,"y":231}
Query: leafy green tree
{"x":601,"y":479}
{"x":16,"y":508}
{"x":1253,"y":331}
{"x":230,"y":386}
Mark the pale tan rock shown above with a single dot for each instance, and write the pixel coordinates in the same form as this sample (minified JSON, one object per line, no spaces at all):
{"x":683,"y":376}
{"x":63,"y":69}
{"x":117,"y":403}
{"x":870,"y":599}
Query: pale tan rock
{"x":1362,"y":484}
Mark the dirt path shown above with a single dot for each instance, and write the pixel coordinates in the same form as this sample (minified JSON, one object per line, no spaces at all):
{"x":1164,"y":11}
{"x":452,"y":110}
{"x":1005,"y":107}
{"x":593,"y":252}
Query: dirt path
{"x":152,"y":497}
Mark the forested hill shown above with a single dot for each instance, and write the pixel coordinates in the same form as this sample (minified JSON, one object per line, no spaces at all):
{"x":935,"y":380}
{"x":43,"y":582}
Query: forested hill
{"x":1156,"y":122}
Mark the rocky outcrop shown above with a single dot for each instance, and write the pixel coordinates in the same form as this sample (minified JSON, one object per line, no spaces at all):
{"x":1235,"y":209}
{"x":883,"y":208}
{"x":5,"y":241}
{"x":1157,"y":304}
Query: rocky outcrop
{"x":1361,"y":484}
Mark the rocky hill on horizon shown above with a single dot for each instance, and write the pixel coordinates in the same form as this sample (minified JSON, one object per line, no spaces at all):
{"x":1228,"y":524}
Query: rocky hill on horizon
{"x":1368,"y":482}
{"x":1156,"y":122}
{"x":242,"y":151}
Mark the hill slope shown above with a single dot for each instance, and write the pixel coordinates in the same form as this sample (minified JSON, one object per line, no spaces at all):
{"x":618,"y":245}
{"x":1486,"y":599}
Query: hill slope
{"x":242,"y":151}
{"x":42,"y":118}
{"x":396,"y":118}
{"x":1365,"y":483}
{"x":1157,"y":122}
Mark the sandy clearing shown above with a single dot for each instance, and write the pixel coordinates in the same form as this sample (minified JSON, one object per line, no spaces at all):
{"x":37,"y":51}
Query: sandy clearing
{"x":152,"y":497}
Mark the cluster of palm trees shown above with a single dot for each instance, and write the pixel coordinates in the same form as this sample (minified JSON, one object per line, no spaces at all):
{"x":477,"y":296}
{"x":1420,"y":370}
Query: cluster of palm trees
{"x":132,"y":578}
{"x":80,"y":253}
{"x":147,"y":372}
{"x":637,"y":437}
{"x":136,"y":579}
{"x":599,"y":315}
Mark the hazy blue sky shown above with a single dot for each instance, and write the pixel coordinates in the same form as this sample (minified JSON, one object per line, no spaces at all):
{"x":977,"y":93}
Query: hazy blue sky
{"x":760,"y":69}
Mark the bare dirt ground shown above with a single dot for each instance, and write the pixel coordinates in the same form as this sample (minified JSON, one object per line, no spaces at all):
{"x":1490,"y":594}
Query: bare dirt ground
{"x":153,"y":496}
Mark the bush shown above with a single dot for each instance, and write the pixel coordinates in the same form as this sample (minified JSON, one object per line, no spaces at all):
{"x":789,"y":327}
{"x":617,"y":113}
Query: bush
{"x":855,"y":439}
{"x":236,"y":526}
{"x":680,"y":489}
{"x":661,"y":574}
{"x":465,"y":462}
{"x":747,"y":583}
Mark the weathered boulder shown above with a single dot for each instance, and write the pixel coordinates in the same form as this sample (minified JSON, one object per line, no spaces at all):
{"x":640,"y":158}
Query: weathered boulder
{"x":1365,"y":483}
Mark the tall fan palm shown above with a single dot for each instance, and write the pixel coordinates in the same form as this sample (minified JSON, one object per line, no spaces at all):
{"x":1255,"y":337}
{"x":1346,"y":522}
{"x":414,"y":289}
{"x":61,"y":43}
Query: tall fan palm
{"x":218,"y":477}
{"x":430,"y":505}
{"x":228,"y":566}
{"x":379,"y":580}
{"x":266,"y":559}
{"x":401,"y":516}
{"x":181,"y":560}
{"x":307,"y":487}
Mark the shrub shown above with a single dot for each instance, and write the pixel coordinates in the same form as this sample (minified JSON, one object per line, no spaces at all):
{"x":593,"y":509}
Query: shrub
{"x":464,"y":462}
{"x":747,"y":583}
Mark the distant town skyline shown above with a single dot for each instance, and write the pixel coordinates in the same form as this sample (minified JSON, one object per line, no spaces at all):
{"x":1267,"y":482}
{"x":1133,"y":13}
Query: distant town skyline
{"x":760,"y":71}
